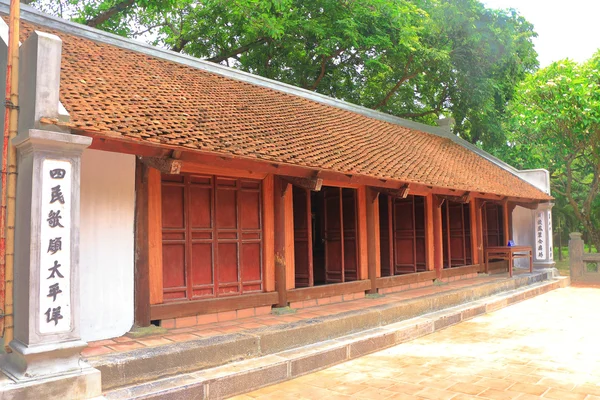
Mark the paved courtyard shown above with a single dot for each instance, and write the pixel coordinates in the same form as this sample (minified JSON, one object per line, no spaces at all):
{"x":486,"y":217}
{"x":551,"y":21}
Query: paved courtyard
{"x":547,"y":347}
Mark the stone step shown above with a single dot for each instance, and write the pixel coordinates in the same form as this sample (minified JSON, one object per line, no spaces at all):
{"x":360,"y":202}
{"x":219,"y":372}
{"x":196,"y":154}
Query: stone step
{"x":247,"y":375}
{"x":151,"y":364}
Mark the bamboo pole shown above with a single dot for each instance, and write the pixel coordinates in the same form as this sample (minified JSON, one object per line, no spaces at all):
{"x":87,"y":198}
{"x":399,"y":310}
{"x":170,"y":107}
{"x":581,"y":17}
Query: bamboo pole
{"x":9,"y":175}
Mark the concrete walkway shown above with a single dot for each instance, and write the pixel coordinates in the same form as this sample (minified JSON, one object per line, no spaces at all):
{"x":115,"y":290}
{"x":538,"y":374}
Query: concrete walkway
{"x":546,"y":347}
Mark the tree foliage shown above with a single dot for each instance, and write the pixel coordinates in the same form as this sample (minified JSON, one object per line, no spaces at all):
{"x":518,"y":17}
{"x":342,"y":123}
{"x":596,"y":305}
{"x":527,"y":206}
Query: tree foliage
{"x":555,"y":124}
{"x":416,"y":59}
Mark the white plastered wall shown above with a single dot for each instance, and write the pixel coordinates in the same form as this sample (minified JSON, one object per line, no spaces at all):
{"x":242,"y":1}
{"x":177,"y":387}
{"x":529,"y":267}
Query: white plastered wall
{"x":107,"y":244}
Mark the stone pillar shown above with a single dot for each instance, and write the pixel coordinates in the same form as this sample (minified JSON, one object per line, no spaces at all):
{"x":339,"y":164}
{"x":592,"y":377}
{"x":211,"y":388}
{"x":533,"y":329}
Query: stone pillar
{"x":46,"y":335}
{"x":45,"y":361}
{"x":543,"y":256}
{"x":576,"y":250}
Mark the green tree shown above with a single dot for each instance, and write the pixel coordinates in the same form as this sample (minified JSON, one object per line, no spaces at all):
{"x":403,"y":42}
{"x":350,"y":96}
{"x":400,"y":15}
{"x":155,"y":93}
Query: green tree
{"x":416,"y":59}
{"x":555,"y":124}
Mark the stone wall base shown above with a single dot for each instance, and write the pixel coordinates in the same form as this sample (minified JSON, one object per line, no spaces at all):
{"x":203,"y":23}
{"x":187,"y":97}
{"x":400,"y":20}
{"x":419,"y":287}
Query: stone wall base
{"x":83,"y":385}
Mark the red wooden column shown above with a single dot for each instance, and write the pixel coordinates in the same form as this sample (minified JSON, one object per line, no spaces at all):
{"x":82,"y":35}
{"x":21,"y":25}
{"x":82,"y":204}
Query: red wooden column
{"x":268,"y":234}
{"x":438,"y":236}
{"x":429,"y":235}
{"x":373,"y":244}
{"x":479,"y":204}
{"x":475,"y":242}
{"x":284,"y":238}
{"x":506,"y":221}
{"x":142,"y":268}
{"x":155,"y":259}
{"x":362,"y":233}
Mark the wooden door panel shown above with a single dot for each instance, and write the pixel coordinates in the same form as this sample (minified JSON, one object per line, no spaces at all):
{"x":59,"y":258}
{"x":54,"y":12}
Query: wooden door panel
{"x":227,"y":267}
{"x":202,"y":271}
{"x":174,"y":282}
{"x":384,"y":235}
{"x":250,"y":210}
{"x":226,"y":209}
{"x":172,"y":207}
{"x":251,"y":266}
{"x":333,"y":236}
{"x":404,"y":236}
{"x":302,"y":237}
{"x":349,"y":214}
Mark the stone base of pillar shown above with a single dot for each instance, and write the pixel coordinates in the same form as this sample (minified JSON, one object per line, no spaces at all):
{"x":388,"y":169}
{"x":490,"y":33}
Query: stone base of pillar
{"x":543,"y":264}
{"x":27,"y":363}
{"x":82,"y":385}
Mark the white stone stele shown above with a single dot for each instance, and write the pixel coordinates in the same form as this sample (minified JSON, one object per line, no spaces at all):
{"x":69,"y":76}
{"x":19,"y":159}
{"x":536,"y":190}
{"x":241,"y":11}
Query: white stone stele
{"x":62,"y":256}
{"x":43,"y":351}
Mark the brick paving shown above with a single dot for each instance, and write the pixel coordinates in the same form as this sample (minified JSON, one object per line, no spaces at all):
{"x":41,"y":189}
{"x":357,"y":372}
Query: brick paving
{"x":206,"y":326}
{"x":543,"y":348}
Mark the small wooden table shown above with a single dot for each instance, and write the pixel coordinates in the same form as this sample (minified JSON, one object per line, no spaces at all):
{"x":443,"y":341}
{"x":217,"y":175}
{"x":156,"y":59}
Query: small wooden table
{"x":508,"y":253}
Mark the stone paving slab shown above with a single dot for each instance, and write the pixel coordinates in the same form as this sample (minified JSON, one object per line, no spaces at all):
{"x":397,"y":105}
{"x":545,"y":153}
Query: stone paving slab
{"x":542,"y":348}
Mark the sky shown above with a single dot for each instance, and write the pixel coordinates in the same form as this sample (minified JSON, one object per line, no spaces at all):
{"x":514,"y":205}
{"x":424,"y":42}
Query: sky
{"x":565,"y":28}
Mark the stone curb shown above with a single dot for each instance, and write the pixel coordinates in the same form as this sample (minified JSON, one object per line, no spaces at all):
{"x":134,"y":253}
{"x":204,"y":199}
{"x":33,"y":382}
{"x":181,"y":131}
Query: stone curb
{"x":251,"y":374}
{"x":245,"y":376}
{"x":152,"y":363}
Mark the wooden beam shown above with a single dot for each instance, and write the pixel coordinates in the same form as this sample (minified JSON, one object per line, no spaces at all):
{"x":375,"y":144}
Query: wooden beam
{"x":479,"y":232}
{"x":164,"y":165}
{"x":268,"y":234}
{"x":282,"y":259}
{"x":506,"y":222}
{"x":313,"y":184}
{"x":202,"y":169}
{"x":438,"y":237}
{"x":212,"y":306}
{"x":330,"y":178}
{"x":463,"y":199}
{"x":400,"y":193}
{"x":373,"y":250}
{"x":142,"y":271}
{"x":155,"y":257}
{"x":429,"y":233}
{"x":474,"y":232}
{"x":362,"y":234}
{"x":290,"y":260}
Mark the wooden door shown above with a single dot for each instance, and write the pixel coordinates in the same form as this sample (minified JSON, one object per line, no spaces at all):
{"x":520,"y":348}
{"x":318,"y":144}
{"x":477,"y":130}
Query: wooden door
{"x":404,"y":236}
{"x":494,"y":225}
{"x":212,"y":236}
{"x":385,"y":234}
{"x":350,"y":237}
{"x":420,"y":229}
{"x":334,"y":246}
{"x":303,"y":237}
{"x":457,"y":234}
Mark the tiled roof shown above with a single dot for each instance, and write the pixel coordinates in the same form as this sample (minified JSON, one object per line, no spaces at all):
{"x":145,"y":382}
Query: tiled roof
{"x":121,"y":92}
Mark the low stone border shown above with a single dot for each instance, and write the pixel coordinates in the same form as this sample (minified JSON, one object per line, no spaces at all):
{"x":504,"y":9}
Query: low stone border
{"x":251,"y":374}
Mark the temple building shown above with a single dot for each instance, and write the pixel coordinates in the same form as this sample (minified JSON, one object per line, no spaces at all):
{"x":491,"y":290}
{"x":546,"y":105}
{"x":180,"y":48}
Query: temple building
{"x":191,"y":189}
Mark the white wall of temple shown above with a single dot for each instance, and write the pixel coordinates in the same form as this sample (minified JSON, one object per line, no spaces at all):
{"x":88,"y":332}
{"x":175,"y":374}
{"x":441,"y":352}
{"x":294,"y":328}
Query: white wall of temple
{"x":522,"y":230}
{"x":107,"y":244}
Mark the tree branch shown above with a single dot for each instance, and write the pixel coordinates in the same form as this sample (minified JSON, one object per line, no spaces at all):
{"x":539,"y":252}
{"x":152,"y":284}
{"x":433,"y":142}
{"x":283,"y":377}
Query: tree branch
{"x":108,"y":14}
{"x":323,"y":65}
{"x":404,"y":78}
{"x":235,"y":52}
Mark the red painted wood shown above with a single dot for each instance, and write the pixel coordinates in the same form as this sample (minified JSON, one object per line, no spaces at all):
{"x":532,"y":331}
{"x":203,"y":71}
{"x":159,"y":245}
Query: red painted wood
{"x":334,"y":251}
{"x":302,"y":237}
{"x":212,"y":236}
{"x":457,"y":234}
{"x":384,"y":234}
{"x":494,"y":225}
{"x":350,"y":237}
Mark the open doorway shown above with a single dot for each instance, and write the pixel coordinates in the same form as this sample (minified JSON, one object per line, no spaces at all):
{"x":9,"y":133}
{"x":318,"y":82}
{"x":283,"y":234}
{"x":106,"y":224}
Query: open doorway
{"x":325,"y":236}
